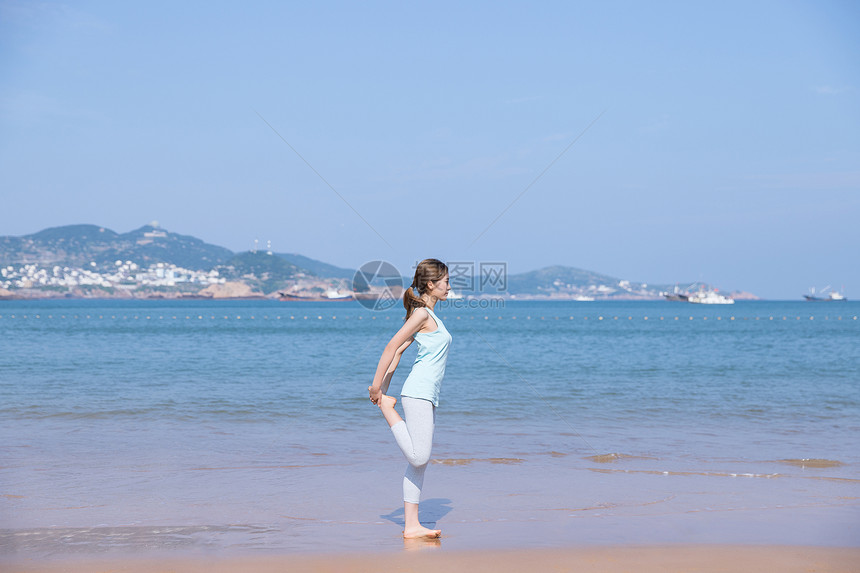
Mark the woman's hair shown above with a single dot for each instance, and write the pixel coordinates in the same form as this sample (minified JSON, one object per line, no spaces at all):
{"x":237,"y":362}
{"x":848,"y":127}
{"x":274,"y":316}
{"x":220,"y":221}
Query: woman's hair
{"x":428,"y":270}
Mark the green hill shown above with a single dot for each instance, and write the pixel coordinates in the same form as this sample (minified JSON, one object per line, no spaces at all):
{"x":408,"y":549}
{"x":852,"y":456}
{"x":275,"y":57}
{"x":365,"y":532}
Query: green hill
{"x":317,"y":268}
{"x":79,"y":245}
{"x":153,"y":244}
{"x":74,"y":235}
{"x":266,"y":272}
{"x":557,"y":280}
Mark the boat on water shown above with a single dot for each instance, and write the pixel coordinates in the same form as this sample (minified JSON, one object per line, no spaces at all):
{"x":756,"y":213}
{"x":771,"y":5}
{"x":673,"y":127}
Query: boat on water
{"x":705,"y":295}
{"x":709,"y":297}
{"x":682,"y":295}
{"x":832,"y":296}
{"x":329,"y":295}
{"x":676,"y":295}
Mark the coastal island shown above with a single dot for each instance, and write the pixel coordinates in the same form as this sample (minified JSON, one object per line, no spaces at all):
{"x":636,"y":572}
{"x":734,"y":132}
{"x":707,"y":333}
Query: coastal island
{"x":88,"y":261}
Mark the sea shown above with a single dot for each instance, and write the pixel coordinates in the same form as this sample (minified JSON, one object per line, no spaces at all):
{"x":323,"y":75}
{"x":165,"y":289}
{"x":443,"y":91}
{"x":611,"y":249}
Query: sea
{"x":237,"y":427}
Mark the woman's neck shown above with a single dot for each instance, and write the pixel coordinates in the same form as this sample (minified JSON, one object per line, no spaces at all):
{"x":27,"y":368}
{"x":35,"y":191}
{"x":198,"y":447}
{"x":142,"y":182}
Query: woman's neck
{"x":430,"y":302}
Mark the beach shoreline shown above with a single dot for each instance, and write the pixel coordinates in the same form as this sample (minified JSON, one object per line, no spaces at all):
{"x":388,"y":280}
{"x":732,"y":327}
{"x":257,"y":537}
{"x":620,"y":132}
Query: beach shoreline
{"x":428,"y":557}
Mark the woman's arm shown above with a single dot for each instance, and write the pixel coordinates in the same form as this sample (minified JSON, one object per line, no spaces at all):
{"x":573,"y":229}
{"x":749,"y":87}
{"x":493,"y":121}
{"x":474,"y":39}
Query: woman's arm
{"x":386,"y":380}
{"x":401,"y":339}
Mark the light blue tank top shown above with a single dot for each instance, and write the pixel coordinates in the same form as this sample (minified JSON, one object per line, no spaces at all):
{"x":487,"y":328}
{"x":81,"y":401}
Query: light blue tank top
{"x":425,"y":379}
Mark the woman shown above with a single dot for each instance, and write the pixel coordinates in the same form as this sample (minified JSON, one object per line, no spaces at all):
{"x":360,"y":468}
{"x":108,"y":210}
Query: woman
{"x":420,"y":393}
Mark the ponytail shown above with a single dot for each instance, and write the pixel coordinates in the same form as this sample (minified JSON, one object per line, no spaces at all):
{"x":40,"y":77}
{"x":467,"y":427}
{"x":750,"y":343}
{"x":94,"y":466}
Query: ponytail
{"x":428,"y":270}
{"x":411,"y":301}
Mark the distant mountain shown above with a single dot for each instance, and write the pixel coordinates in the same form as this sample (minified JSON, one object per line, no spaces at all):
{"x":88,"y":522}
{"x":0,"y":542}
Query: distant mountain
{"x":259,"y":264}
{"x":317,"y":268}
{"x":555,"y":278}
{"x":80,"y":245}
{"x":564,"y":281}
{"x":269,"y":272}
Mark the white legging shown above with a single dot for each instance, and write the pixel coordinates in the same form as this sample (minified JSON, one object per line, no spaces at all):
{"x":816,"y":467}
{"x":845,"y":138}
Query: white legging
{"x":415,"y":438}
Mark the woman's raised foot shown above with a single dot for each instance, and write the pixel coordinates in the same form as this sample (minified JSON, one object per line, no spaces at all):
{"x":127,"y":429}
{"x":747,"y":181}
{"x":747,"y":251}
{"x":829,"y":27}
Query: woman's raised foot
{"x":386,"y":405}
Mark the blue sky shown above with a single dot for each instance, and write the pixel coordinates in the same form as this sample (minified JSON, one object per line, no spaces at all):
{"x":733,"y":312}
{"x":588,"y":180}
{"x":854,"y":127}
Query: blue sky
{"x":726,"y":146}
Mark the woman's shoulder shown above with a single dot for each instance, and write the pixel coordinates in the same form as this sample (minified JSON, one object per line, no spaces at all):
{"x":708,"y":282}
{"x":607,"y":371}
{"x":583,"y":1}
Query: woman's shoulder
{"x":418,"y":315}
{"x":422,"y":314}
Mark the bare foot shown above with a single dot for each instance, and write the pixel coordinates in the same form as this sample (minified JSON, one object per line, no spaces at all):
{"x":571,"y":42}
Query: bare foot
{"x":386,"y":404}
{"x":421,"y":531}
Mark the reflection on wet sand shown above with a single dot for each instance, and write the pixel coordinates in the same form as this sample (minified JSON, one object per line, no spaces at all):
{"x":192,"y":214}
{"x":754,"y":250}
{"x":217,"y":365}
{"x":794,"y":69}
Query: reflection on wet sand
{"x":422,"y":543}
{"x":40,"y":541}
{"x":812,"y":463}
{"x":609,"y":506}
{"x":467,"y":461}
{"x":610,"y":458}
{"x":721,"y":474}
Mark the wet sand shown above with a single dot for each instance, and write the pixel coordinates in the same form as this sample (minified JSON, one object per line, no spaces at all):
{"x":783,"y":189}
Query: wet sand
{"x":523,"y":501}
{"x":427,"y":557}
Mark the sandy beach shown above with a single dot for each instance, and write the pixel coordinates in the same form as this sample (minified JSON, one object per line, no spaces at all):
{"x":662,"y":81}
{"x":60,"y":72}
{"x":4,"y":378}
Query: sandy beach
{"x":206,"y":451}
{"x":651,"y":559}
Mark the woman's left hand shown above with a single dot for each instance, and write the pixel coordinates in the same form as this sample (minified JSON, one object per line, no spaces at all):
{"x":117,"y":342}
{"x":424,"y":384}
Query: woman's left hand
{"x":375,"y":394}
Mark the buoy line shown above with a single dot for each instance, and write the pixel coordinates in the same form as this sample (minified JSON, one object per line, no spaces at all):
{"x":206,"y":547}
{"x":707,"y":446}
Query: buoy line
{"x":484,"y":317}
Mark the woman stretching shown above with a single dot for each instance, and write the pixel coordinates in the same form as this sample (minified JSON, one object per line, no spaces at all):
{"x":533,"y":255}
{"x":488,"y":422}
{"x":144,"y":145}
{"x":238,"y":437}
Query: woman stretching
{"x":420,"y":394}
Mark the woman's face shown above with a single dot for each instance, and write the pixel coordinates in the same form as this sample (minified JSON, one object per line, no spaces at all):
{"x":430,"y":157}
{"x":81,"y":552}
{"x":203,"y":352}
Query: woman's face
{"x":440,"y":288}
